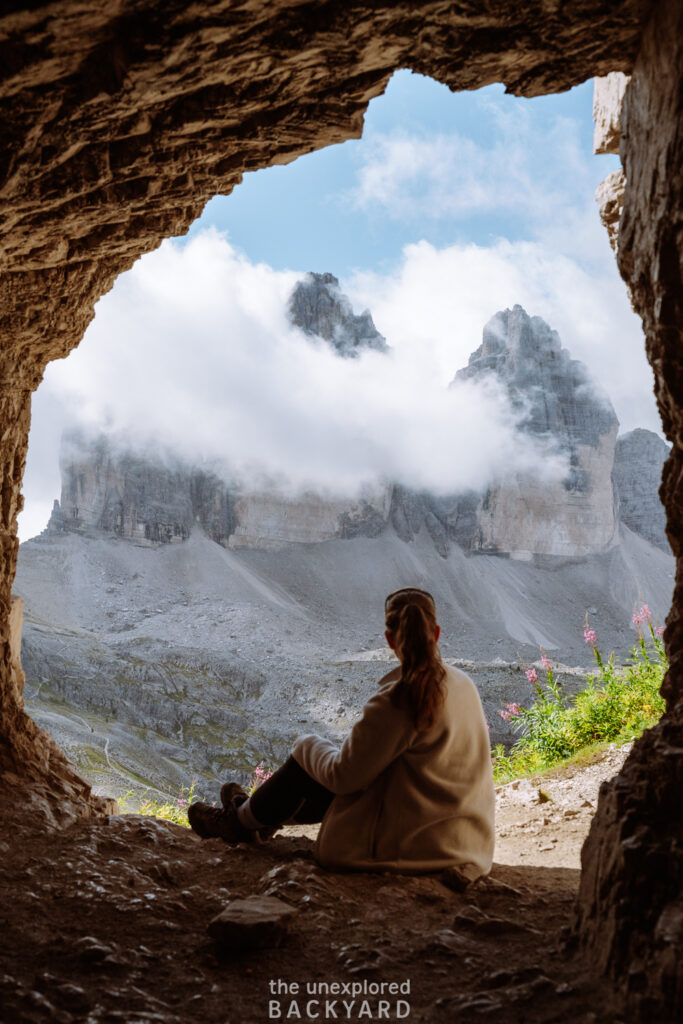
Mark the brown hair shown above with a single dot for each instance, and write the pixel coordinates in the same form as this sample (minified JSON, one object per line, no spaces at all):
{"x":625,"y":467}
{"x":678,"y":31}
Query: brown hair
{"x":410,"y":616}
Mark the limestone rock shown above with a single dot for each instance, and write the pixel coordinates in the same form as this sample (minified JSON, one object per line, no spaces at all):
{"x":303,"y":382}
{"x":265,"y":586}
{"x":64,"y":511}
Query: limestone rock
{"x":257,"y":922}
{"x":319,"y":307}
{"x":109,"y":490}
{"x":639,"y":459}
{"x":632,"y":862}
{"x":609,"y":196}
{"x":558,"y":401}
{"x":608,"y":96}
{"x":271,"y":520}
{"x":113,"y":490}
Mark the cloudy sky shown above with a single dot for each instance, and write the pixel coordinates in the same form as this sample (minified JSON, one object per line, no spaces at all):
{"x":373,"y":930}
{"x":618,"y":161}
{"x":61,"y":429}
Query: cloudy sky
{"x":449,"y":208}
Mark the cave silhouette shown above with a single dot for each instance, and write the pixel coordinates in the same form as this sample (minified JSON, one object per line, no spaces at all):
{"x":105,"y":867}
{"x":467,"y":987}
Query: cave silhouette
{"x":120,"y":121}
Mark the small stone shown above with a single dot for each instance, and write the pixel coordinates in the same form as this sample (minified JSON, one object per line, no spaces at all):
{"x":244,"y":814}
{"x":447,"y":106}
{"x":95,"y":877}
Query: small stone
{"x":257,"y":922}
{"x":73,"y":997}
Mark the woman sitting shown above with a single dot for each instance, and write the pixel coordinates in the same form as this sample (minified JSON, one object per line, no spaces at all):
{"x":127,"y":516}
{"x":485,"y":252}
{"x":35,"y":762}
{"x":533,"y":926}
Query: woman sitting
{"x":410,"y":789}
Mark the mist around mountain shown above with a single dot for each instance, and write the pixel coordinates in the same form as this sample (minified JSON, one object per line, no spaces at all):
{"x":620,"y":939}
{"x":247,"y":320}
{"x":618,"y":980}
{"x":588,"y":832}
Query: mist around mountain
{"x":179,"y":623}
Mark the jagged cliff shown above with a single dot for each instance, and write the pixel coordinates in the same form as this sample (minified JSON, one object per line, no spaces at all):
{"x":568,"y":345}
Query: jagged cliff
{"x":110,"y":490}
{"x":319,"y":307}
{"x":557,"y":400}
{"x":638,"y":462}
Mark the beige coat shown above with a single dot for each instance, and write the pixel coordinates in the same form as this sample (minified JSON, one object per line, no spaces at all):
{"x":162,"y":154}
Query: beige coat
{"x":406,"y":800}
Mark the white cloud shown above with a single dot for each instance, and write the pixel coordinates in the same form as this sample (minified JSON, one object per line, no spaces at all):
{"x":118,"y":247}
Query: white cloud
{"x":522,"y":171}
{"x":433,"y":308}
{"x":192,"y":351}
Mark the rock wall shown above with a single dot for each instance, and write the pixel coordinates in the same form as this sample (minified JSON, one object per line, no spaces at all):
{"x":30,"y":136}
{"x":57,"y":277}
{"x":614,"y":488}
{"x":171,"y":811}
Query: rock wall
{"x":638,"y":462}
{"x":269,"y":520}
{"x":112,"y":490}
{"x":630,"y":915}
{"x":608,"y":96}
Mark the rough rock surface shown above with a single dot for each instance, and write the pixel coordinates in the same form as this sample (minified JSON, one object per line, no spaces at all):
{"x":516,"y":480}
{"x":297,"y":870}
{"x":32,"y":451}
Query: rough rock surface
{"x":120,"y":121}
{"x":630,"y":910}
{"x":559,"y":401}
{"x":257,"y":922}
{"x":608,"y":96}
{"x":319,"y":307}
{"x":639,"y":458}
{"x":112,"y":490}
{"x":609,"y":195}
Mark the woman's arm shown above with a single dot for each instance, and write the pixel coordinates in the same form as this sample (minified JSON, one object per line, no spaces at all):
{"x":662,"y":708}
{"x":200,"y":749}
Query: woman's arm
{"x":377,"y":739}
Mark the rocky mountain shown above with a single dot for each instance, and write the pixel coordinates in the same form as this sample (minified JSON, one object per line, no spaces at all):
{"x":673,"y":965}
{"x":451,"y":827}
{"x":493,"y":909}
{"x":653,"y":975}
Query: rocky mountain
{"x":113,"y":491}
{"x":319,"y":307}
{"x":151,"y":665}
{"x":558,"y":402}
{"x":556,"y":399}
{"x":638,"y":462}
{"x":154,"y":501}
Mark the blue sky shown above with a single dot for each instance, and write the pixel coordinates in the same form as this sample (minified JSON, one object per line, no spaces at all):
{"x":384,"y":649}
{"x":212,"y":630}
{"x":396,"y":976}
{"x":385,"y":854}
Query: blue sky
{"x":450,"y":207}
{"x":304,"y":215}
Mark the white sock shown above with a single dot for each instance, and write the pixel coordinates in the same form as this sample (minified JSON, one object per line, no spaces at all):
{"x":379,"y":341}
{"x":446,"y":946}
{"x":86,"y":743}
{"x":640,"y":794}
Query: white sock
{"x":245,"y":816}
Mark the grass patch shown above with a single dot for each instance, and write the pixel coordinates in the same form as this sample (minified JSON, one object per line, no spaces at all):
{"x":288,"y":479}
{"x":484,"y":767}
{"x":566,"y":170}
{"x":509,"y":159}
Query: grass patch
{"x":617,"y":705}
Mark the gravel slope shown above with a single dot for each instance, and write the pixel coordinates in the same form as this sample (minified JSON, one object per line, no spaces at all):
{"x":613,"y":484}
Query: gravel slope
{"x":153,"y":665}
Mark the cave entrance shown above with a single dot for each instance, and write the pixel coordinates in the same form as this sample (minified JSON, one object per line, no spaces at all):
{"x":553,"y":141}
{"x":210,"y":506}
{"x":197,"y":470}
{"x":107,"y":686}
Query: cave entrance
{"x":444,"y":222}
{"x":147,"y":179}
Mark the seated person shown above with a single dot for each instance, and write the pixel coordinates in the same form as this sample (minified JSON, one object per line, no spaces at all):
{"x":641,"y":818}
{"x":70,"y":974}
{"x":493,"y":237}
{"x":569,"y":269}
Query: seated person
{"x":411,"y":788}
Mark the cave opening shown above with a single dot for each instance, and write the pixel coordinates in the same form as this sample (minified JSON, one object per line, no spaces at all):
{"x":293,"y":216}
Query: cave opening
{"x":634,"y":844}
{"x":188,"y":358}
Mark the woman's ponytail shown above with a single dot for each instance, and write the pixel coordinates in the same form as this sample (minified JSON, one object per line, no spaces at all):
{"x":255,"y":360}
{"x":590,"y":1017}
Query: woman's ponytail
{"x":411,"y":621}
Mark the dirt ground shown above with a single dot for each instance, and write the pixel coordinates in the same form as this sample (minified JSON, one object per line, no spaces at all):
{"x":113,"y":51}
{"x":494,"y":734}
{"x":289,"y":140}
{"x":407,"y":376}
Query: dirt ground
{"x":107,"y":922}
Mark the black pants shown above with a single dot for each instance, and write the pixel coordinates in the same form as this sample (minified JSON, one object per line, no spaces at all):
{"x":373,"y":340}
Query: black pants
{"x":290,"y":793}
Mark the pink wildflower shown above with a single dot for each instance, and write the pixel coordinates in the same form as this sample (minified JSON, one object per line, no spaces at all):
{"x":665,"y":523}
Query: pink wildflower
{"x":590,"y":636}
{"x":504,"y":715}
{"x":637,"y":619}
{"x":659,"y":630}
{"x":532,"y":675}
{"x":546,"y":662}
{"x":514,"y":709}
{"x":182,"y":802}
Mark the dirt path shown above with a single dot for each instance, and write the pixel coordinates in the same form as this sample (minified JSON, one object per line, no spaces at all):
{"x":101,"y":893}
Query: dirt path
{"x":107,"y":922}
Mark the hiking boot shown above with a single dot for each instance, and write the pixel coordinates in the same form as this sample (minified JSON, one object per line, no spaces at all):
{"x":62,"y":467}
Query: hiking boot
{"x":232,"y":795}
{"x":217,"y":823}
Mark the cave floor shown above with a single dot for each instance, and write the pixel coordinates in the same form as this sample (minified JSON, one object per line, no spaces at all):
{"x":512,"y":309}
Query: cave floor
{"x":106,"y":921}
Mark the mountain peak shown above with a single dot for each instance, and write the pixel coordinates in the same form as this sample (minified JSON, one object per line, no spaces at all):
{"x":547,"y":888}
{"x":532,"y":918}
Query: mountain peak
{"x":558,"y":394}
{"x":320,"y":308}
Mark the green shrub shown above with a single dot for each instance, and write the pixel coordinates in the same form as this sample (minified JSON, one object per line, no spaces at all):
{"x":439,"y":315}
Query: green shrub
{"x":170,"y":810}
{"x":618,"y":703}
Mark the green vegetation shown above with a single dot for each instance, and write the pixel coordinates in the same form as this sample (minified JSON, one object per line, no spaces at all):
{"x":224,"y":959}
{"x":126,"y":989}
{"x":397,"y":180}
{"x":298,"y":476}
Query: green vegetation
{"x":170,"y":810}
{"x":619,"y":702}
